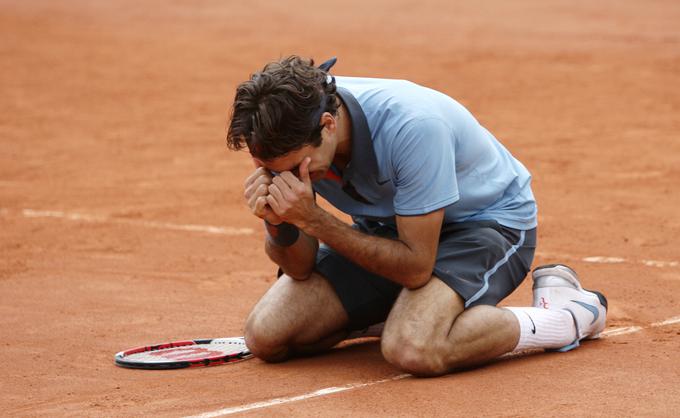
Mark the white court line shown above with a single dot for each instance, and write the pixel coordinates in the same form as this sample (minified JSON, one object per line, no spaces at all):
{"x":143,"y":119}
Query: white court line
{"x":220,"y":230}
{"x":655,"y":263}
{"x":669,"y":321}
{"x":612,"y":332}
{"x":619,"y":260}
{"x":82,"y":217}
{"x":610,"y":260}
{"x":279,"y":401}
{"x":604,"y":260}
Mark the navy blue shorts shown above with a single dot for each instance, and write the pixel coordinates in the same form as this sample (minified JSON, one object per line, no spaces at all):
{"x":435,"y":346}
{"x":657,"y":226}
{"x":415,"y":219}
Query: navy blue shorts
{"x":481,"y":261}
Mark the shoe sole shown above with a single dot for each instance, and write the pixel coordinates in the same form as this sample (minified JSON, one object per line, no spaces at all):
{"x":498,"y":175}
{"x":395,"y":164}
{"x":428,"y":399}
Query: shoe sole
{"x":555,"y":270}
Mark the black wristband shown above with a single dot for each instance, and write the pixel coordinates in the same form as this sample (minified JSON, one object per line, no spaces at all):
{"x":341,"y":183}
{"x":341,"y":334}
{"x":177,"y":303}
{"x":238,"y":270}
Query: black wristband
{"x":283,"y":235}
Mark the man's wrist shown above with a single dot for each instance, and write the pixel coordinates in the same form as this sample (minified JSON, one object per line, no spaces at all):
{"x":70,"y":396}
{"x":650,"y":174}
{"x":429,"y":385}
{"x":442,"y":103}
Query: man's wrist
{"x":314,"y":225}
{"x":283,"y":234}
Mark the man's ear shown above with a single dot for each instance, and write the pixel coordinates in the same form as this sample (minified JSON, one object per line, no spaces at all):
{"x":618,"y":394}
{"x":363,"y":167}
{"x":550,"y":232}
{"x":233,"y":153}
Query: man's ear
{"x":328,"y":121}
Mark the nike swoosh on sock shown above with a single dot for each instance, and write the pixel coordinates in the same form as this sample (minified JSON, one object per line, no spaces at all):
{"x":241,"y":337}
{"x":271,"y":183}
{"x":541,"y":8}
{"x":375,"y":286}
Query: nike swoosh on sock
{"x":533,"y":325}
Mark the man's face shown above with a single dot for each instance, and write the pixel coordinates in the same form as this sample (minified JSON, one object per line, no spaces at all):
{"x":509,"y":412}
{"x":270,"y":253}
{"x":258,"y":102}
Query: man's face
{"x":321,"y":156}
{"x":321,"y":159}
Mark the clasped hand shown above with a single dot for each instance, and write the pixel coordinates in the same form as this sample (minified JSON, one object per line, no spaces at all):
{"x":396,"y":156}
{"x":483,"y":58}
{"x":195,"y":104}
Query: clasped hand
{"x":281,"y":198}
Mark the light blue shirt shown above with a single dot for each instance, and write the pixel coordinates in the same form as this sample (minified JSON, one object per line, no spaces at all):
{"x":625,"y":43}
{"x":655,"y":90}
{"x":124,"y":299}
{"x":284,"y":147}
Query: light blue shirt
{"x":416,"y":150}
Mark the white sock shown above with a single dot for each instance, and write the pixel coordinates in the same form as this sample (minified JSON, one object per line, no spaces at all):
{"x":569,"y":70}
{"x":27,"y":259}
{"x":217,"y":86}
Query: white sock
{"x":544,"y":328}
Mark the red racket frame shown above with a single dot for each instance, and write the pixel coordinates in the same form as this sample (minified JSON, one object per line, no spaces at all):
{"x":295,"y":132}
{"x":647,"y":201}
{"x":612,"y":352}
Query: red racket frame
{"x":202,"y":362}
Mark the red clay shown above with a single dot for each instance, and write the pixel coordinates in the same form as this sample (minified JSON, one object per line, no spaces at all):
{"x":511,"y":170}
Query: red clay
{"x":118,"y":110}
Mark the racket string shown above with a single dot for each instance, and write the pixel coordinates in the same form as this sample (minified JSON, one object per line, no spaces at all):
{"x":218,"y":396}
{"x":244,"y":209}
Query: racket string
{"x":215,"y":349}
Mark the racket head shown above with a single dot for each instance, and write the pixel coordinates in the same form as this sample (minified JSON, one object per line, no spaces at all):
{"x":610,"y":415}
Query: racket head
{"x":181,"y":354}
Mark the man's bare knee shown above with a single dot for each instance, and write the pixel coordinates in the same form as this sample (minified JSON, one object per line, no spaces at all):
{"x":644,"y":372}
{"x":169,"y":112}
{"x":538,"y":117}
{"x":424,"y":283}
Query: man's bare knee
{"x":294,"y":316}
{"x":267,"y":337}
{"x":413,"y":355}
{"x":467,"y":343}
{"x":416,"y":332}
{"x":262,"y":342}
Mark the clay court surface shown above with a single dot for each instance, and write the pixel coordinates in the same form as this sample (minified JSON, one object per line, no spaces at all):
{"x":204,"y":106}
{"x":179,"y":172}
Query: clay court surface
{"x":122,"y":221}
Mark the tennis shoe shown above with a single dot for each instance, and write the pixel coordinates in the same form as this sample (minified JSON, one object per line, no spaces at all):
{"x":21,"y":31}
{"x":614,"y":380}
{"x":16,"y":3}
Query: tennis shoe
{"x":556,"y":286}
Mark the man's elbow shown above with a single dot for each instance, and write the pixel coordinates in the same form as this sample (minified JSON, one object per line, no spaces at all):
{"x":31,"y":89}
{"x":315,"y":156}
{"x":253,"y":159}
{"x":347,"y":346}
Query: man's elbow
{"x":300,"y":276}
{"x":417,"y":280}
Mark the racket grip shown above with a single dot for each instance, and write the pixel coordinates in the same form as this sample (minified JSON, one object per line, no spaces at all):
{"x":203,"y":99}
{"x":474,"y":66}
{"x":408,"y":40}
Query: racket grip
{"x":283,"y":235}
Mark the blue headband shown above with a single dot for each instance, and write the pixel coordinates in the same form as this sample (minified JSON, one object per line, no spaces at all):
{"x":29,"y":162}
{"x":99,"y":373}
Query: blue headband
{"x":325,"y":66}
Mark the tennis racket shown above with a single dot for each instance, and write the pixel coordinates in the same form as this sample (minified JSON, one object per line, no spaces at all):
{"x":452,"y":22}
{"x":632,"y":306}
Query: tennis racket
{"x":181,"y":354}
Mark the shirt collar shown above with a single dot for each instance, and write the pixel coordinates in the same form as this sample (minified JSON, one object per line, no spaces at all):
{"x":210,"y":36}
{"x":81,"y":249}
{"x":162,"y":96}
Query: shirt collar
{"x":363,"y":163}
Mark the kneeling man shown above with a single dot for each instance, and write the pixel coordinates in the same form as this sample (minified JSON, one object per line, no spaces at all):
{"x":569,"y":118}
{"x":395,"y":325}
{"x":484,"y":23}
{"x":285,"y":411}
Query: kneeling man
{"x":444,"y":225}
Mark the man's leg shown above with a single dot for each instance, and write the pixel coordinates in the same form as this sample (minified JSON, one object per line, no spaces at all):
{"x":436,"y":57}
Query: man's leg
{"x":437,"y":328}
{"x":305,"y":317}
{"x":296,"y":317}
{"x":429,"y":332}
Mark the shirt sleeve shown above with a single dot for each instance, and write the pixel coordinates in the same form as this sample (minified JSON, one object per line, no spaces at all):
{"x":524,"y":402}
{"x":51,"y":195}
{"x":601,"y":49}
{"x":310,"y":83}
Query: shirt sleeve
{"x":423,"y":167}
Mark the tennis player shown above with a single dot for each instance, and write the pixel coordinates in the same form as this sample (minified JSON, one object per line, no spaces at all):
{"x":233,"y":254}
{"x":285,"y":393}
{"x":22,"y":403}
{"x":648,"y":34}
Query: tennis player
{"x":444,"y":225}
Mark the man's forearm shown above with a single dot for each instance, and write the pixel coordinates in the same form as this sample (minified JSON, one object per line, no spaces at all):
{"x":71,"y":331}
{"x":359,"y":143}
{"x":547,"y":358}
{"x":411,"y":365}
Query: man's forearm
{"x":390,"y":258}
{"x":296,"y":260}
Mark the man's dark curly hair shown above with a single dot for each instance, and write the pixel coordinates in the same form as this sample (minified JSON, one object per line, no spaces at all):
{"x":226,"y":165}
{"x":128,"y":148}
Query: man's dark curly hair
{"x":278,"y":110}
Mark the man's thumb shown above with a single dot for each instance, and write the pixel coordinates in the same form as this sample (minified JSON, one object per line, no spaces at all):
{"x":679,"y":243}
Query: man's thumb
{"x":304,"y":171}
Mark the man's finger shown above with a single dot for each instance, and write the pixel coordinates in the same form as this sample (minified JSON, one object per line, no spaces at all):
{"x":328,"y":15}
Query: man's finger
{"x":261,"y":206}
{"x":274,"y":190}
{"x":254,"y":187}
{"x":260,"y":192}
{"x":271,"y":201}
{"x":257,"y":173}
{"x":304,"y":171}
{"x":284,"y":186}
{"x":289,"y":178}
